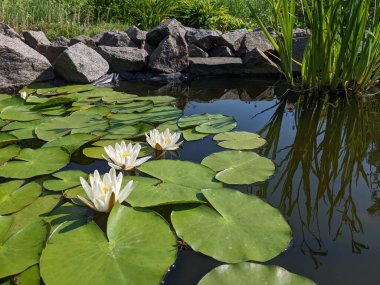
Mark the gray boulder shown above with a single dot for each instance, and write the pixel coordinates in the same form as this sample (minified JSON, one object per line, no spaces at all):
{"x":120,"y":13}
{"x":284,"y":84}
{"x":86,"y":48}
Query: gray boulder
{"x":257,"y":63}
{"x":170,"y":27}
{"x":136,"y":35}
{"x":221,"y":51}
{"x":35,"y":38}
{"x":232,"y":39}
{"x":170,"y":56}
{"x":51,"y":52}
{"x":116,"y":39}
{"x":253,"y":40}
{"x":124,"y":58}
{"x":80,"y":63}
{"x":213,"y":66}
{"x":148,"y":48}
{"x":204,"y":39}
{"x":21,"y":65}
{"x":300,"y":33}
{"x":195,"y":51}
{"x":8,"y":31}
{"x":84,"y":40}
{"x":61,"y":42}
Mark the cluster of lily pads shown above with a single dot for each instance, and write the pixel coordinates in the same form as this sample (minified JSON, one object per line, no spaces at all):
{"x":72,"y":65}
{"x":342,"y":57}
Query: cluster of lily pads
{"x":71,"y":227}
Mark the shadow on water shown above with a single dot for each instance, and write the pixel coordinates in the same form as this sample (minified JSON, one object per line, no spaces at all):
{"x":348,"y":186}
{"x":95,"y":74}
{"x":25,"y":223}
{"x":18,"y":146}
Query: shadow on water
{"x":327,"y":185}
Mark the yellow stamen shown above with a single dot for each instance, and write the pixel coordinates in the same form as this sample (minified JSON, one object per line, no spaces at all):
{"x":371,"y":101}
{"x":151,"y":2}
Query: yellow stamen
{"x":166,"y":140}
{"x":105,"y":189}
{"x":126,"y":154}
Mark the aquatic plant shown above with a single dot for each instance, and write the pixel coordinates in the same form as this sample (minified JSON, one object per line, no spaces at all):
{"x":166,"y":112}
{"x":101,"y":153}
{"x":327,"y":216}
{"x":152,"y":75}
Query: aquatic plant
{"x":164,"y":140}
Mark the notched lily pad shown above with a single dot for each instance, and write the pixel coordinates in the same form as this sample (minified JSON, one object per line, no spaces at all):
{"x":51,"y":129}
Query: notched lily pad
{"x":239,"y":140}
{"x":64,"y":180}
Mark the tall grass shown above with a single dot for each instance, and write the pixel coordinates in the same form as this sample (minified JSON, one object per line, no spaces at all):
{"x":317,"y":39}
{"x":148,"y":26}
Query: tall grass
{"x":343,"y":52}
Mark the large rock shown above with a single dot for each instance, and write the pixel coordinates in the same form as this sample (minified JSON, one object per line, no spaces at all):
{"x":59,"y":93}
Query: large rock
{"x":171,"y":55}
{"x":116,"y":39}
{"x":35,"y":38}
{"x":136,"y":35}
{"x":253,"y":40}
{"x":213,"y":66}
{"x":51,"y":52}
{"x":299,"y":45}
{"x":257,"y":63}
{"x":80,"y":63}
{"x":84,"y":40}
{"x":170,"y":27}
{"x":61,"y":42}
{"x":124,"y":58}
{"x":8,"y":31}
{"x":21,"y":65}
{"x":204,"y":39}
{"x":232,"y":39}
{"x":221,"y":51}
{"x":300,"y":33}
{"x":195,"y":51}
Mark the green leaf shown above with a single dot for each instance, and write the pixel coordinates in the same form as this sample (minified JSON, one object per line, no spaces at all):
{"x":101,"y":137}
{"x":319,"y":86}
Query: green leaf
{"x":197,"y":120}
{"x":139,"y":253}
{"x":24,"y":130}
{"x":251,"y":273}
{"x":238,"y":227}
{"x":35,"y":162}
{"x":217,"y":126}
{"x":122,"y":131}
{"x":8,"y":152}
{"x":14,"y":196}
{"x":19,"y":113}
{"x":181,"y":182}
{"x":31,"y":276}
{"x":7,"y":139}
{"x":134,"y":107}
{"x":22,"y":249}
{"x":158,"y":100}
{"x":237,"y":167}
{"x":192,"y":135}
{"x":239,"y":140}
{"x":154,"y":115}
{"x":55,"y":101}
{"x":65,"y":180}
{"x":71,"y":142}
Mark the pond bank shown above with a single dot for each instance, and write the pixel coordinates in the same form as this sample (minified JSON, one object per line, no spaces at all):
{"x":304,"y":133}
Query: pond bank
{"x":169,"y":48}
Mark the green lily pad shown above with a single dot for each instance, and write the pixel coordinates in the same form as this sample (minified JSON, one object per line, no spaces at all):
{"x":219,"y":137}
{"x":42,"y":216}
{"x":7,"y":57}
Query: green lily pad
{"x":53,"y":111}
{"x":171,"y":125}
{"x":30,"y":276}
{"x":35,"y":162}
{"x":8,"y":152}
{"x":6,"y":139}
{"x":122,"y":131}
{"x":158,"y":100}
{"x":13,"y":101}
{"x":24,"y":130}
{"x":22,"y":249}
{"x":54,"y":90}
{"x":251,"y":273}
{"x":65,"y":180}
{"x":242,"y":227}
{"x":192,"y":135}
{"x":55,"y":101}
{"x":154,"y":115}
{"x":197,"y":120}
{"x":134,"y":107}
{"x":239,"y":140}
{"x":71,"y":142}
{"x":19,"y":113}
{"x":217,"y":126}
{"x":14,"y":195}
{"x":72,"y":251}
{"x":181,"y":182}
{"x":237,"y":167}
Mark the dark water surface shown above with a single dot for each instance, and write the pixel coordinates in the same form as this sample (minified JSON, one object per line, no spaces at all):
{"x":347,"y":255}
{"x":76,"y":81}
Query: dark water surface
{"x":327,"y":182}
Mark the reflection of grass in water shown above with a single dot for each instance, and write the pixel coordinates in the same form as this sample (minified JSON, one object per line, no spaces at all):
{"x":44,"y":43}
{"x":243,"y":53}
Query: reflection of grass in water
{"x":331,"y":147}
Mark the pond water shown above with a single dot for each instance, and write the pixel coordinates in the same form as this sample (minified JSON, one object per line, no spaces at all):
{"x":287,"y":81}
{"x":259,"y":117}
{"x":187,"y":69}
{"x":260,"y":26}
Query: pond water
{"x":326,"y":184}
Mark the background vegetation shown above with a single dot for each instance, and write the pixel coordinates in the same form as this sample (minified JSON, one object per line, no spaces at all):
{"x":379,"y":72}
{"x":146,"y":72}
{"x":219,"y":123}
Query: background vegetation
{"x":74,"y":17}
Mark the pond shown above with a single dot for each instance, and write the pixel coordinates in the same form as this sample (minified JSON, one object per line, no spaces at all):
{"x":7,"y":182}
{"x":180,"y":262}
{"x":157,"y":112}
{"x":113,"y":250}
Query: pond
{"x":326,"y":183}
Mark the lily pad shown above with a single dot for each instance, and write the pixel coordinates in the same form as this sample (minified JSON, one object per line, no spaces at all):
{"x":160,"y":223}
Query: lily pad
{"x":240,"y":140}
{"x":242,"y":227}
{"x":22,"y":249}
{"x":8,"y":152}
{"x":154,"y":115}
{"x":64,"y":180}
{"x":134,"y":107}
{"x":251,"y":273}
{"x":158,"y":100}
{"x":7,"y":139}
{"x":192,"y":135}
{"x":181,"y":182}
{"x":35,"y":162}
{"x":24,"y":130}
{"x":237,"y":167}
{"x":72,"y":251}
{"x":71,"y":142}
{"x":217,"y":126}
{"x":197,"y":120}
{"x":14,"y":196}
{"x":19,"y":113}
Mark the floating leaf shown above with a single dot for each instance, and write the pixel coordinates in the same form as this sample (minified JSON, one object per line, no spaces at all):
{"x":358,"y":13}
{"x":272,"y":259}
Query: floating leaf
{"x":14,"y":196}
{"x":7,"y":139}
{"x":181,"y":182}
{"x":9,"y":152}
{"x":19,"y":113}
{"x":134,"y":107}
{"x":123,"y":131}
{"x":171,"y":125}
{"x":192,"y":135}
{"x":22,"y":249}
{"x":71,"y":142}
{"x":154,"y":115}
{"x":34,"y":162}
{"x":197,"y":120}
{"x":237,"y":167}
{"x":251,"y":273}
{"x":55,"y":101}
{"x":158,"y":100}
{"x":217,"y":126}
{"x":239,"y":140}
{"x":65,"y":180}
{"x":53,"y":111}
{"x":24,"y":130}
{"x":72,"y":252}
{"x":242,"y":227}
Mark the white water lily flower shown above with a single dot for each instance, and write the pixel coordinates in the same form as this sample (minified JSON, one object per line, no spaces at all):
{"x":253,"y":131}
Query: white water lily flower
{"x":163,"y":141}
{"x":124,"y":157}
{"x":23,"y":95}
{"x":104,"y":194}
